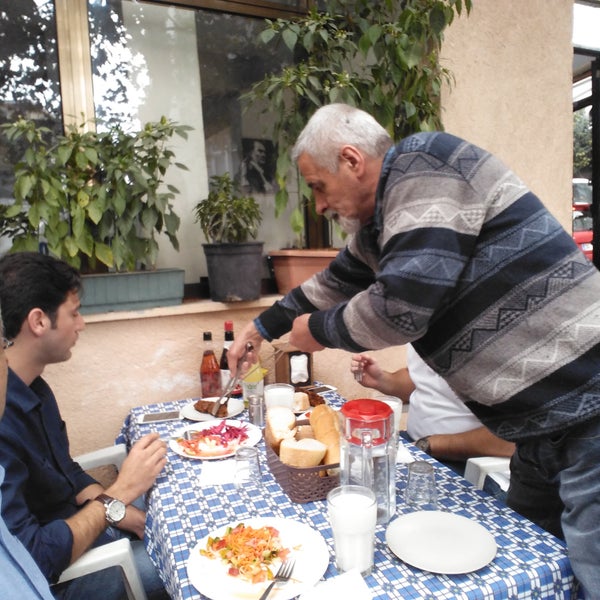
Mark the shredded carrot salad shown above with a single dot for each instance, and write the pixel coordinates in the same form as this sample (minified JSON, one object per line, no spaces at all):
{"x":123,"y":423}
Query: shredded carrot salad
{"x":248,"y":552}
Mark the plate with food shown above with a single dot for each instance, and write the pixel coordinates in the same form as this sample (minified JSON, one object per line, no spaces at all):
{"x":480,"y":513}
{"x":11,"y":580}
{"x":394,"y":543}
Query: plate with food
{"x":214,"y":439}
{"x":199,"y":410}
{"x":238,"y":561}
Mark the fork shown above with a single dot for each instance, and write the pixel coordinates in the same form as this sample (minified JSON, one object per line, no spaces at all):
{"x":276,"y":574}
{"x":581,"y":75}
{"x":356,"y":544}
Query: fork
{"x":283,"y":574}
{"x":232,"y":382}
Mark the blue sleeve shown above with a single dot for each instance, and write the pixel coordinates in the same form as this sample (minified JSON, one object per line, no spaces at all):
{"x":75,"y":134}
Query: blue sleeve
{"x":50,"y":544}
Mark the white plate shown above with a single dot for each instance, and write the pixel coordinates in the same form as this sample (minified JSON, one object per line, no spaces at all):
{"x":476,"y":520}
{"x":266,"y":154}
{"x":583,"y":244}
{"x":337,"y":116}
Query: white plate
{"x":234,"y":407}
{"x":254,"y":436}
{"x":209,"y":576}
{"x":441,"y":542}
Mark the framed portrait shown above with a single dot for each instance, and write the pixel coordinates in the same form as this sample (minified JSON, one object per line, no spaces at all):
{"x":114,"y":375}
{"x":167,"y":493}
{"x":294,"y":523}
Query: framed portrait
{"x":257,"y":174}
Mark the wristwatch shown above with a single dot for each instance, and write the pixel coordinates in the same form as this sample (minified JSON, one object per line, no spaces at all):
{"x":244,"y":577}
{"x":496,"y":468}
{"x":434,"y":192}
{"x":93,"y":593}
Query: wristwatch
{"x":115,"y":509}
{"x":424,"y":445}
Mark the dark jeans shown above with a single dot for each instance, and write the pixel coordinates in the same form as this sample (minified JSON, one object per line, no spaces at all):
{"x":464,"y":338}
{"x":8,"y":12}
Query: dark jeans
{"x":555,"y":482}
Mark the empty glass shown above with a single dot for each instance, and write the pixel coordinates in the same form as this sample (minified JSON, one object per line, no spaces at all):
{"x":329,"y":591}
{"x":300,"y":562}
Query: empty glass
{"x":421,"y":493}
{"x":247,"y":468}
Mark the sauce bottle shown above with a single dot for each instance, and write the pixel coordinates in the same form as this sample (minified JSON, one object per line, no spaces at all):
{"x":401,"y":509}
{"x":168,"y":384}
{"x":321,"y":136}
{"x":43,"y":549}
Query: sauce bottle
{"x":210,"y":373}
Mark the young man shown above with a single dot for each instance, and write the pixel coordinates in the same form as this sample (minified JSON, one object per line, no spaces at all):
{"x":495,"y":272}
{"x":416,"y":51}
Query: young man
{"x":20,"y":577}
{"x":453,"y":254}
{"x":49,"y":503}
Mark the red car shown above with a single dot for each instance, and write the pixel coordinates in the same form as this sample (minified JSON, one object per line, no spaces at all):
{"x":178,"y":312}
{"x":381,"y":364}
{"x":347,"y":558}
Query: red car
{"x":583,"y":232}
{"x":582,"y":219}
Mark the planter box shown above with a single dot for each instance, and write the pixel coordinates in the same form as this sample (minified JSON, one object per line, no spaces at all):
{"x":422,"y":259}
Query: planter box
{"x":293,"y":266}
{"x":108,"y":292}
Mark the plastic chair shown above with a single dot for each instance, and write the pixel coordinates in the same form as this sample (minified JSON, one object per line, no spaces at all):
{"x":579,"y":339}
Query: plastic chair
{"x":116,"y":554}
{"x":478,"y":468}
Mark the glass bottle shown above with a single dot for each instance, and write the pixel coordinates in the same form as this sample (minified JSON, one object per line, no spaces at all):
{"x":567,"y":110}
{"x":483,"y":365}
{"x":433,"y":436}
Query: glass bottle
{"x":210,"y":374}
{"x":223,"y":364}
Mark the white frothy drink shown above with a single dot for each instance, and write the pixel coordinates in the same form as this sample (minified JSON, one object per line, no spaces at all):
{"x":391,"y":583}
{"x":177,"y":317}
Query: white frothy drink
{"x":353,"y":515}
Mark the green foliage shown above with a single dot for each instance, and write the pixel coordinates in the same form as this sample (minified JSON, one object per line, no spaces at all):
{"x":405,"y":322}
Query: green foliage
{"x":379,"y":56}
{"x":95,"y":197}
{"x":582,"y":143}
{"x":226,"y":216}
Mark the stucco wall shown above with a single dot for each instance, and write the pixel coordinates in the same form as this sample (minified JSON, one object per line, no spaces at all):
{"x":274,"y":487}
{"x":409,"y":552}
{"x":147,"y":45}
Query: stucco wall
{"x":512,"y":65}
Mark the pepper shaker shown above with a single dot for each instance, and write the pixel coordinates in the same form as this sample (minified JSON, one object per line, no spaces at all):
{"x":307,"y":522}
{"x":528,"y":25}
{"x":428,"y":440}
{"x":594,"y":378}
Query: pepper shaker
{"x":256,"y":410}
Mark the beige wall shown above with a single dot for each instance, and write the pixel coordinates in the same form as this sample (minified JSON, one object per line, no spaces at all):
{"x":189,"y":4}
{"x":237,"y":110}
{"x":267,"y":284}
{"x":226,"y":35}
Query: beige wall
{"x":153,"y":357}
{"x":512,"y":64}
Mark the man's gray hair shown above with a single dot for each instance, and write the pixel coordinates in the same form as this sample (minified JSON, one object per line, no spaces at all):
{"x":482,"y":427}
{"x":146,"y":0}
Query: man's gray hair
{"x":336,"y":125}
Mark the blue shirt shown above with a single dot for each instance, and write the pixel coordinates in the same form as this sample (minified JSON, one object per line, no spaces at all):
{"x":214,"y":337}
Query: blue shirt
{"x":41,"y":480}
{"x":20,"y":577}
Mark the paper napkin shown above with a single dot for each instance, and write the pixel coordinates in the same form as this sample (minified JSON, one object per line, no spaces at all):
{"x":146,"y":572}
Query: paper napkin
{"x":347,"y":585}
{"x":404,"y":455}
{"x":217,"y":472}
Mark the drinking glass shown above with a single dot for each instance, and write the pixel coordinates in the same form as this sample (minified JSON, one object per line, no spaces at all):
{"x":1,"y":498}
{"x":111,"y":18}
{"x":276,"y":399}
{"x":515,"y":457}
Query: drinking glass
{"x":421,"y":493}
{"x":352,"y":513}
{"x":279,"y":394}
{"x":247,"y":468}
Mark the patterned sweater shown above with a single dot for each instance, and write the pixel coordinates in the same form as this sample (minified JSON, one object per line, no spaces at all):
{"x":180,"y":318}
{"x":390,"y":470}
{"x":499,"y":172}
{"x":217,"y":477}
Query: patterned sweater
{"x":465,"y":263}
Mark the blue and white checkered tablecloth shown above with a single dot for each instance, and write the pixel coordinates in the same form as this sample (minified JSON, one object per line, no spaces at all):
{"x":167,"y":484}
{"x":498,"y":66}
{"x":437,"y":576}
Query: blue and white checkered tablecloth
{"x":530,"y":563}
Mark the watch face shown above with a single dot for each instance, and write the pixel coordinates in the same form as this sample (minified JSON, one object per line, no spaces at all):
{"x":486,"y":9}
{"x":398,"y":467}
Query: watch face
{"x":115,"y":511}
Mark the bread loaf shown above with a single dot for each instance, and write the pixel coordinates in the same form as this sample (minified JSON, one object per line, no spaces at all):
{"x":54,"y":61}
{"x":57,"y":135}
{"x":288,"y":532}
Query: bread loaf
{"x":306,"y":452}
{"x":325,"y":424}
{"x":280,"y":424}
{"x":301,"y":402}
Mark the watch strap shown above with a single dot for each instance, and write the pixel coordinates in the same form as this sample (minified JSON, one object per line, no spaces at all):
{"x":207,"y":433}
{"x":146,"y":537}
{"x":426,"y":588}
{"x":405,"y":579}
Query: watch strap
{"x":423,"y":444}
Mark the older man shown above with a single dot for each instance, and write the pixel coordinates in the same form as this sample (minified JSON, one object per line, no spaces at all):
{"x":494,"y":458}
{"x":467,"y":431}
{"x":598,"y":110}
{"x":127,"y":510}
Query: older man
{"x":49,"y":503}
{"x":453,"y":254}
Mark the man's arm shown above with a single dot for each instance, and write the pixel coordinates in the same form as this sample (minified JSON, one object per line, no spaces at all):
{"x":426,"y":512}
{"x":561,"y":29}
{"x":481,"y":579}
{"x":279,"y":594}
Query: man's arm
{"x":138,"y":473}
{"x":476,"y":442}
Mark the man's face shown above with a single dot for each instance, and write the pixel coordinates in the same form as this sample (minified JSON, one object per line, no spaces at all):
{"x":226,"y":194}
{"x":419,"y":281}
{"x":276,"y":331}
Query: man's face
{"x":63,"y":335}
{"x":260,"y":154}
{"x":336,"y":194}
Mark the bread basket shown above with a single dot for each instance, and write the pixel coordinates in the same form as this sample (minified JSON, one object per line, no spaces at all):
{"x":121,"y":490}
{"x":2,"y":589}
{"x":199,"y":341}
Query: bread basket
{"x":303,"y":484}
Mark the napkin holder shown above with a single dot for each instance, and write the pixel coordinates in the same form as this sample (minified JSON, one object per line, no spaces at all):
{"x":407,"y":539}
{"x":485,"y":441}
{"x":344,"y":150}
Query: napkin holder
{"x":293,"y":366}
{"x":303,"y":484}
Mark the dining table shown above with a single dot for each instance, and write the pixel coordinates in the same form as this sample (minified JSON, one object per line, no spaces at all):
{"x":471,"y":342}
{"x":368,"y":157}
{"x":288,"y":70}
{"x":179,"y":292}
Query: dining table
{"x":181,"y":510}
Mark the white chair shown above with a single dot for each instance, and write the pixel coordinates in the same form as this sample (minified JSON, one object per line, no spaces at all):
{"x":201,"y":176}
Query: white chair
{"x":116,"y":554}
{"x":478,"y":468}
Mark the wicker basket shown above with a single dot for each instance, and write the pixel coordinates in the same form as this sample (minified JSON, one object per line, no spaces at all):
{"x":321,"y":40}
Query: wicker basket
{"x":302,"y":484}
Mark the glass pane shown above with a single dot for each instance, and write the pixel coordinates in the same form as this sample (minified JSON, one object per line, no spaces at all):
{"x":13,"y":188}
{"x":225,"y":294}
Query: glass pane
{"x":29,"y":84}
{"x":190,"y":65}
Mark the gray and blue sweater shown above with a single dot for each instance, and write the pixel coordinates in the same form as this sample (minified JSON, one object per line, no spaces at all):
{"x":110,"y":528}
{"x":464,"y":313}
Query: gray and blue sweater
{"x":464,"y":262}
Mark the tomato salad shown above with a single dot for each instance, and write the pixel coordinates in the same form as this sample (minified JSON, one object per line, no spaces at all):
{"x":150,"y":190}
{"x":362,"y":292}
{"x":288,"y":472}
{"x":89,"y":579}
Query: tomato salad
{"x":218,"y":440}
{"x":249,"y":553}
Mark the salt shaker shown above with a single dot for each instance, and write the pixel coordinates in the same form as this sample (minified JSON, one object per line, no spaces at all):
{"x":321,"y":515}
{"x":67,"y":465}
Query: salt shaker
{"x":256,"y":410}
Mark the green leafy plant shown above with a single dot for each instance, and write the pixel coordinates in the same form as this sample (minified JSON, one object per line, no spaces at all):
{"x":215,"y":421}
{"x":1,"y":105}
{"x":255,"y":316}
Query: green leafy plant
{"x":226,"y":216}
{"x":93,"y":198}
{"x":382,"y":57}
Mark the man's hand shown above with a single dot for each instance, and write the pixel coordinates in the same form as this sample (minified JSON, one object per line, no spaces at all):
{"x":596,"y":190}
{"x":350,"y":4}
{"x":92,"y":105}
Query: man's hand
{"x":301,"y":337}
{"x":248,"y":334}
{"x":140,"y":469}
{"x":143,"y":464}
{"x":371,"y":372}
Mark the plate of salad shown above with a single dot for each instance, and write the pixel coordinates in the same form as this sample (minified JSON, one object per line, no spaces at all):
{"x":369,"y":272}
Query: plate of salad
{"x":238,"y":561}
{"x":219,"y":438}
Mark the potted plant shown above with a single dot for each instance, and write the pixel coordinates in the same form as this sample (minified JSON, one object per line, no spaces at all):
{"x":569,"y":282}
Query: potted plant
{"x":229,"y":220}
{"x":95,"y":199}
{"x":380,"y":56}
